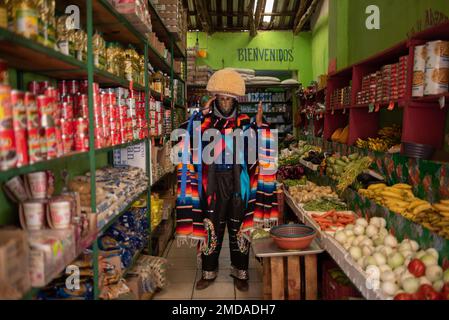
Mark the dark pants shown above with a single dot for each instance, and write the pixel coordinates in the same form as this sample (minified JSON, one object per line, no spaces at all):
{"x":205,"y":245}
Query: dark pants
{"x":228,"y":211}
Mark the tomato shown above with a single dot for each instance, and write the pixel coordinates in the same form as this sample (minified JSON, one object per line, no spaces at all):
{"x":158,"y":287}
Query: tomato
{"x":433,"y":296}
{"x":403,"y":296}
{"x":445,"y":289}
{"x":417,"y":268}
{"x":429,"y":292}
{"x":418,"y":296}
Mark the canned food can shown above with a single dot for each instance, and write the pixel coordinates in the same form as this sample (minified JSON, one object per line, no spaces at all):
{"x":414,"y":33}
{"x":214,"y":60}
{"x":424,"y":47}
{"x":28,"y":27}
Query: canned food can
{"x":34,"y":145}
{"x":66,"y":109}
{"x":63,"y":87}
{"x":81,"y":126}
{"x":69,"y":98}
{"x":33,"y":87}
{"x":98,"y":121}
{"x":20,"y":139}
{"x":18,"y":110}
{"x":43,"y":143}
{"x":68,"y":144}
{"x":59,"y":145}
{"x":81,"y":142}
{"x":52,"y":144}
{"x":82,"y":99}
{"x":73,"y":86}
{"x":67,"y":127}
{"x":43,"y":105}
{"x":8,"y":153}
{"x":6,"y":113}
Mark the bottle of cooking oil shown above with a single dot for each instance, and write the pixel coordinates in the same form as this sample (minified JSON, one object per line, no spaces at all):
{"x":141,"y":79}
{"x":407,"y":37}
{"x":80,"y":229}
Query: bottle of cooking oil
{"x":25,"y":18}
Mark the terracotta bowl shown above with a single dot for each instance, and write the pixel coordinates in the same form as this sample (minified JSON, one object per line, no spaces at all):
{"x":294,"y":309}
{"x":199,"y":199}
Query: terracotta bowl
{"x":293,"y":236}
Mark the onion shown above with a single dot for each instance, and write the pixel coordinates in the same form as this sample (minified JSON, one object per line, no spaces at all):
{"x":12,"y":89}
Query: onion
{"x":386,"y":251}
{"x":405,"y":246}
{"x":383,"y":232}
{"x":383,"y":222}
{"x":349,"y":233}
{"x":385,"y":267}
{"x":424,"y":280}
{"x":350,"y":239}
{"x":349,"y":227}
{"x":410,"y":285}
{"x":369,"y":261}
{"x":388,"y":276}
{"x":429,"y":260}
{"x":389,"y":288}
{"x":405,"y":275}
{"x":361,"y":222}
{"x":340,"y":236}
{"x":378,"y":240}
{"x":407,"y":253}
{"x":367,"y":242}
{"x":371,"y":231}
{"x":361,"y":262}
{"x":434,"y":273}
{"x":395,"y":260}
{"x":373,"y":276}
{"x":399,"y":271}
{"x":433,"y":252}
{"x":357,"y":241}
{"x":375,"y":221}
{"x":420,"y":254}
{"x":438,"y":285}
{"x":346,"y":246}
{"x":446,"y":276}
{"x":391,"y":241}
{"x":355,"y":252}
{"x":359,"y":230}
{"x":414,"y":245}
{"x":367,"y":251}
{"x":380,"y":258}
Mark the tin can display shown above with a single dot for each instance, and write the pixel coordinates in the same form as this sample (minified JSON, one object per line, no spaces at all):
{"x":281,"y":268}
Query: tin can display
{"x":34,"y":214}
{"x":37,"y":184}
{"x":81,"y":142}
{"x":20,"y":140}
{"x":82,"y":126}
{"x":68,"y":144}
{"x":8,"y":155}
{"x":18,"y":110}
{"x":34,"y":88}
{"x":66,"y":109}
{"x":52,"y":144}
{"x":44,"y":105}
{"x":32,"y":115}
{"x":73,"y":87}
{"x":60,"y":213}
{"x":67,"y":127}
{"x":34,"y":146}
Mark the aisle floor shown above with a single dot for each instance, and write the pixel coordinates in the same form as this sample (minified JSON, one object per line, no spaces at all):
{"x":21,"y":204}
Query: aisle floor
{"x":183,"y":273}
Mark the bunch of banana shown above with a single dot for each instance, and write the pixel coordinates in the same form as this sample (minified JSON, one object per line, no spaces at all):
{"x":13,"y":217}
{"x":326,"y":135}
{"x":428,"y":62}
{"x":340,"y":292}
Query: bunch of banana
{"x":400,"y":199}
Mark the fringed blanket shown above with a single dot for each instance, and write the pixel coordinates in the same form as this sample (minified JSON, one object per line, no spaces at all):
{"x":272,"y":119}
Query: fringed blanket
{"x":257,"y":187}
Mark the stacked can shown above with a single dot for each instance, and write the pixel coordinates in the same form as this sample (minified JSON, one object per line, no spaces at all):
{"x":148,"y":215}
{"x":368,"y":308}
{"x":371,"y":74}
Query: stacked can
{"x":20,"y":126}
{"x":8,"y":154}
{"x":167,"y":122}
{"x":402,"y":76}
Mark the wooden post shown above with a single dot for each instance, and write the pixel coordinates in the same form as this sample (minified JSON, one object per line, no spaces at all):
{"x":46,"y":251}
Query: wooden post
{"x":294,"y":278}
{"x":311,"y":276}
{"x":266,"y":279}
{"x":277,"y":278}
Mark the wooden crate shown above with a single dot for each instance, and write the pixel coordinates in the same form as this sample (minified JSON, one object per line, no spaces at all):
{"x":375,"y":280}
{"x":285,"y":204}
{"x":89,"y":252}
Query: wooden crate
{"x":14,"y":256}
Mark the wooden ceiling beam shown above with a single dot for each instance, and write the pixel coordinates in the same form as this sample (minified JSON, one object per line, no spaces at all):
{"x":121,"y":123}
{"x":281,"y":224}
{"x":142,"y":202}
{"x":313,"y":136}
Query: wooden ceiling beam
{"x":270,"y":26}
{"x":189,"y":18}
{"x":259,"y":10}
{"x":230,"y":10}
{"x":300,"y":12}
{"x":203,"y":16}
{"x":241,"y":13}
{"x":245,"y":14}
{"x":219,"y":13}
{"x":306,"y":16}
{"x":251,"y":18}
{"x":284,"y":9}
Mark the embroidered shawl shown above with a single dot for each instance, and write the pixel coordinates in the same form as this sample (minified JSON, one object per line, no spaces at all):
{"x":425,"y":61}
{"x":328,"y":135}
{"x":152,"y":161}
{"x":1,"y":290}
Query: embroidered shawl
{"x":258,"y":187}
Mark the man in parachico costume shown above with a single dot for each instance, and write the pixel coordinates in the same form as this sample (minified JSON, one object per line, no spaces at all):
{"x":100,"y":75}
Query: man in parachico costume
{"x":237,"y":189}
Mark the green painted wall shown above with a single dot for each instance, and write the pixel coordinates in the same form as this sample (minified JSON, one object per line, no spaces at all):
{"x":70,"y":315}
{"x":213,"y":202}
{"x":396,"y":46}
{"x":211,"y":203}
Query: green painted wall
{"x":351,"y":41}
{"x":320,"y":40}
{"x":222,"y":50}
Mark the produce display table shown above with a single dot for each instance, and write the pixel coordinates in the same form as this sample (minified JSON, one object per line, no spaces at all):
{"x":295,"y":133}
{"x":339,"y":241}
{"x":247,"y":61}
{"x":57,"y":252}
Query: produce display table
{"x":357,"y":276}
{"x":282,"y":276}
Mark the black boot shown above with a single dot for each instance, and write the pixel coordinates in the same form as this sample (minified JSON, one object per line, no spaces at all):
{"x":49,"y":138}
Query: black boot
{"x":241,"y":285}
{"x":203,"y":284}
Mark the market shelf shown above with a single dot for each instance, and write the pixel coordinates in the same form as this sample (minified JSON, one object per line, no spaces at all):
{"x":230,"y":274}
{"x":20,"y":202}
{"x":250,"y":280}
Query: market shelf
{"x":432,"y":98}
{"x":163,"y":33}
{"x":119,"y":146}
{"x":397,"y":103}
{"x":133,"y":262}
{"x":38,"y":166}
{"x":29,"y":55}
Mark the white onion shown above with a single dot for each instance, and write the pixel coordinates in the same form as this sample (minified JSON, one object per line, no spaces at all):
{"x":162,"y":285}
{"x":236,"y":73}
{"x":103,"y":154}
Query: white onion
{"x":367,"y":242}
{"x":420,"y":254}
{"x":346,"y":246}
{"x":446,"y":276}
{"x":391,"y":241}
{"x":349,"y":233}
{"x":434,"y":273}
{"x":375,"y":221}
{"x":361,"y":262}
{"x":369,"y":261}
{"x":429,"y":260}
{"x":410,"y":285}
{"x":361,"y":222}
{"x":359,"y":230}
{"x":395,"y":260}
{"x":386,"y":251}
{"x":380,"y":258}
{"x":349,"y":227}
{"x":383,"y":222}
{"x":405,"y":275}
{"x":424,"y":280}
{"x":389,"y":288}
{"x":388,"y":276}
{"x":433,"y":252}
{"x":438,"y":285}
{"x":414,"y":245}
{"x":355,"y":252}
{"x":350,"y":239}
{"x":378,"y":240}
{"x":384,"y":268}
{"x":405,"y":246}
{"x":407,"y":253}
{"x":371,"y":231}
{"x":340,"y":236}
{"x":399,"y":271}
{"x":383,"y":232}
{"x":357,"y":241}
{"x":367,"y":251}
